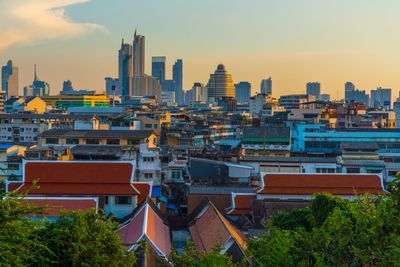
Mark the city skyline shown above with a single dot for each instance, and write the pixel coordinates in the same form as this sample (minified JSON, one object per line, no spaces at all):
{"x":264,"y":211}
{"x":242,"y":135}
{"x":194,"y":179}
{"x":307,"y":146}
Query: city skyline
{"x":313,"y":45}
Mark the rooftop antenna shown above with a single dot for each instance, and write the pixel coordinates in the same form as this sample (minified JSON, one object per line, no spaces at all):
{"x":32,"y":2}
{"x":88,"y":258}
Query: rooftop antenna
{"x":35,"y":74}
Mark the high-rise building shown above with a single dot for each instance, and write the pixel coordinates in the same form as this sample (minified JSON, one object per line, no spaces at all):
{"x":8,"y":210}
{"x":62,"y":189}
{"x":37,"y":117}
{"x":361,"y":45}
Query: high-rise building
{"x":314,"y":88}
{"x":132,"y":78}
{"x":177,"y":77}
{"x":138,"y":55}
{"x":125,"y":71}
{"x":9,"y":79}
{"x":349,"y":87}
{"x":158,"y":68}
{"x":67,"y":86}
{"x":38,"y":87}
{"x":396,"y":109}
{"x":381,"y":97}
{"x":197,"y":94}
{"x":325,"y":97}
{"x":295,"y":101}
{"x":242,"y":92}
{"x":266,"y":86}
{"x":351,"y":94}
{"x":220,"y":84}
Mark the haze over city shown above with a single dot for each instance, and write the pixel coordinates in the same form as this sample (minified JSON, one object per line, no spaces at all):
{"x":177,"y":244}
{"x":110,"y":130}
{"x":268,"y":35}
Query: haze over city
{"x":292,"y":41}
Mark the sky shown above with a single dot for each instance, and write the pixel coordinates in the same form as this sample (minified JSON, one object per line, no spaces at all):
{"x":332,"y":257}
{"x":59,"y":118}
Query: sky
{"x":293,"y":41}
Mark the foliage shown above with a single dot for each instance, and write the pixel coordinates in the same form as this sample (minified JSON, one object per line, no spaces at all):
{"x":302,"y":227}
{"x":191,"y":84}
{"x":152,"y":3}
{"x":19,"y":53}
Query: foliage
{"x":85,"y":239}
{"x":76,"y":239}
{"x":333,"y":232}
{"x":192,"y":258}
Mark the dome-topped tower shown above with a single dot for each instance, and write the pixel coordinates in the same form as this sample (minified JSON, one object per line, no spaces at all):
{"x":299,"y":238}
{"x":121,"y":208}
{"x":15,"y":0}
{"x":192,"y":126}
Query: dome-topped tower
{"x":220,"y":83}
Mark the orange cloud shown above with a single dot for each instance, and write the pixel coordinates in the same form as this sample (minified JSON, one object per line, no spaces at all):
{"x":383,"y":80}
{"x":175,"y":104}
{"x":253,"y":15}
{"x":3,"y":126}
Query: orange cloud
{"x":25,"y":21}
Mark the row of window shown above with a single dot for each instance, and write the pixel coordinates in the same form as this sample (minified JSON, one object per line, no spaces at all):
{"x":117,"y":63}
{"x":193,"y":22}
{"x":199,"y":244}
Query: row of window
{"x":89,"y":141}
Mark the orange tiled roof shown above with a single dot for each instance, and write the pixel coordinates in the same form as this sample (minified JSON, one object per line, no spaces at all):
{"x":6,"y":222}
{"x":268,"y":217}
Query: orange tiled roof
{"x":241,"y":204}
{"x":147,"y":223}
{"x":73,"y":178}
{"x":144,"y":190}
{"x":211,"y":229}
{"x":308,"y":184}
{"x":57,"y":205}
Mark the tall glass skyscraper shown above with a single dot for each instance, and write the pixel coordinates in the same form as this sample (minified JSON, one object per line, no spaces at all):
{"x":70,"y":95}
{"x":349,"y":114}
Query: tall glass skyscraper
{"x":125,"y":64}
{"x":177,"y":77}
{"x":313,"y":88}
{"x":9,"y":79}
{"x":242,"y":92}
{"x":158,"y":68}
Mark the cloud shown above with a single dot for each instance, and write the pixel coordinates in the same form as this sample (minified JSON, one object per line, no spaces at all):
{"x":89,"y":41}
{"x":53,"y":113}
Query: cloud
{"x":26,"y":21}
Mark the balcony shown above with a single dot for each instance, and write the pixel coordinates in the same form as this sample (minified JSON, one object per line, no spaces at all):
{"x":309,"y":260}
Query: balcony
{"x":266,"y":147}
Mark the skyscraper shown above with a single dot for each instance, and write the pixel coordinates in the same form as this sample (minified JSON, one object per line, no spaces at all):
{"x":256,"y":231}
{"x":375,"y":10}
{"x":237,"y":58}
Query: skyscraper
{"x":125,"y":72}
{"x":158,"y":68}
{"x":138,"y":55}
{"x":133,"y":80}
{"x":242,"y":92}
{"x":314,"y":88}
{"x":220,"y":84}
{"x":266,"y":86}
{"x":9,"y":79}
{"x":381,"y":97}
{"x":177,"y":77}
{"x":38,"y":87}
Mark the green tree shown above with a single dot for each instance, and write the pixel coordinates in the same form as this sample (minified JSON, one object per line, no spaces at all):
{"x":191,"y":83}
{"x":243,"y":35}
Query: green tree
{"x":86,"y":239}
{"x":190,"y":257}
{"x":333,"y":232}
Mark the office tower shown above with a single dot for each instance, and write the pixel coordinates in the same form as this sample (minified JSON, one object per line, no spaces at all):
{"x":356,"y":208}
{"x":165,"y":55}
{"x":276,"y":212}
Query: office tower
{"x":177,"y":77}
{"x":349,"y":87}
{"x":197,"y":94}
{"x":242,"y":92}
{"x":138,"y":55}
{"x":168,"y":86}
{"x":381,"y":97}
{"x":38,"y":87}
{"x":313,"y":88}
{"x":125,"y":72}
{"x":9,"y":79}
{"x":351,"y":94}
{"x":220,"y":84}
{"x":158,"y":68}
{"x":295,"y":101}
{"x":113,"y":86}
{"x":132,"y":78}
{"x":266,"y":86}
{"x":67,"y":87}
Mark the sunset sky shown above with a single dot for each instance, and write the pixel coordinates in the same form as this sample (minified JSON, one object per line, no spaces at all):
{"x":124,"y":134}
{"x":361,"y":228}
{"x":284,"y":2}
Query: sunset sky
{"x":294,"y":41}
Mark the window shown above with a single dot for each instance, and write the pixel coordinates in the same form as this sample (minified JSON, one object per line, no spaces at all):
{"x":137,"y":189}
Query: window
{"x":106,"y":200}
{"x":112,"y":141}
{"x":176,"y":175}
{"x":72,"y":141}
{"x":133,"y":142}
{"x":148,"y":126}
{"x":148,"y":175}
{"x":353,"y":170}
{"x":51,"y":140}
{"x":92,"y":141}
{"x":13,"y":166}
{"x":35,"y":130}
{"x":123,"y":200}
{"x":148,"y":159}
{"x":155,"y":126}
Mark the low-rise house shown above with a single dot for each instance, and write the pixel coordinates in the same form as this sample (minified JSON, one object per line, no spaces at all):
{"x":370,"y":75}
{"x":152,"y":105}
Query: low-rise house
{"x":266,"y":141}
{"x":213,"y":172}
{"x":146,"y":224}
{"x":98,"y":137}
{"x":111,"y":182}
{"x":149,"y":165}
